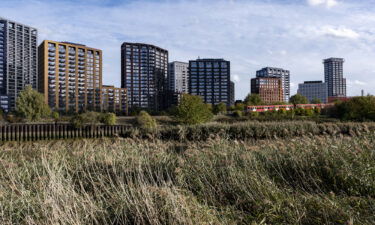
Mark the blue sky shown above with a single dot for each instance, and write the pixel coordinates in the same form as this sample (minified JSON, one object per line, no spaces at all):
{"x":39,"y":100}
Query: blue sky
{"x":292,"y":34}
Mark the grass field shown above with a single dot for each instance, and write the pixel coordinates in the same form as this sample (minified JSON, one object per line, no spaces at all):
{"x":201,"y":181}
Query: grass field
{"x":306,"y":179}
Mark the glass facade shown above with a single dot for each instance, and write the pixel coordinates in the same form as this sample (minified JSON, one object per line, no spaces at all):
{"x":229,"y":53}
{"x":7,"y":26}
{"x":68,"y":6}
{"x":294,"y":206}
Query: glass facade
{"x":18,"y":61}
{"x":144,"y":71}
{"x":334,"y":77}
{"x":210,"y":79}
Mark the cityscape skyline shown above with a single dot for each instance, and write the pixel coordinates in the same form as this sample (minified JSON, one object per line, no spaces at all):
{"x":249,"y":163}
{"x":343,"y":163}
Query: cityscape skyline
{"x":306,"y":66}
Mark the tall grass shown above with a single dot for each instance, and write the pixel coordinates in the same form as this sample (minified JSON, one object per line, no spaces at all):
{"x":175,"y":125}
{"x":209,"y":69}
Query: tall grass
{"x":303,"y":180}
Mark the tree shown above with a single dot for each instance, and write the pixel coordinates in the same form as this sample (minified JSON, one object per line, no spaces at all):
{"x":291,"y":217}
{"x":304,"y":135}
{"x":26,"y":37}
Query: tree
{"x":145,"y":121}
{"x":316,"y":101}
{"x":30,"y":105}
{"x":298,"y":99}
{"x":192,"y":110}
{"x":220,"y":108}
{"x":253,"y":99}
{"x":357,"y":109}
{"x":239,"y":106}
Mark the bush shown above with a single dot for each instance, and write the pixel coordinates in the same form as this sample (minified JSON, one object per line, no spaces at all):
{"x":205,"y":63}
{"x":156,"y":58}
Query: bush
{"x":237,"y":113}
{"x":356,"y":109}
{"x":192,"y":110}
{"x":145,"y":121}
{"x":31,"y":106}
{"x":220,"y":108}
{"x":108,"y":118}
{"x":87,"y":118}
{"x":55,"y":116}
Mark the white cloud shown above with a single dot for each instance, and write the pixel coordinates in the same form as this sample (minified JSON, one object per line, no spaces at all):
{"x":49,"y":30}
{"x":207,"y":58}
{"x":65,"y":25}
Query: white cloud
{"x":340,"y":32}
{"x":326,"y":3}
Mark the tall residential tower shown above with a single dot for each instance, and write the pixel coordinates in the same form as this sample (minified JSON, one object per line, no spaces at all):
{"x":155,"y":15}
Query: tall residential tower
{"x":70,"y":76}
{"x":144,"y":71}
{"x":18,"y":61}
{"x":178,"y":80}
{"x":210,"y":79}
{"x":334,"y":77}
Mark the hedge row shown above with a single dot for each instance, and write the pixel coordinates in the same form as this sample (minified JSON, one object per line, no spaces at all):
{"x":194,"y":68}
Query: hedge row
{"x":252,"y":130}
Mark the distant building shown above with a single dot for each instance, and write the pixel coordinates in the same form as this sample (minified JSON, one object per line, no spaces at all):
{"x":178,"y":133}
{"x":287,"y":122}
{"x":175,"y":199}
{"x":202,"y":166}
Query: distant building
{"x":314,"y":90}
{"x":18,"y":61}
{"x":178,"y":77}
{"x":210,"y":79}
{"x":114,"y":100}
{"x":269,"y":89}
{"x":232,"y":93}
{"x":269,"y":72}
{"x":334,"y":77}
{"x":70,"y":76}
{"x":144,"y":70}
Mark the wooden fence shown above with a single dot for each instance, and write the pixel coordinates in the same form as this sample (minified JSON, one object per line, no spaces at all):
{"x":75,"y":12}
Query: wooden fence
{"x":34,"y":132}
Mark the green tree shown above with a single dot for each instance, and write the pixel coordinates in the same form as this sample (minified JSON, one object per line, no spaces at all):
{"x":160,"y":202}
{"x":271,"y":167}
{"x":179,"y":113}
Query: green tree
{"x":220,"y":108}
{"x":30,"y":105}
{"x":316,"y":101}
{"x":253,"y":99}
{"x":298,"y":99}
{"x":145,"y":121}
{"x":192,"y":110}
{"x":356,"y":109}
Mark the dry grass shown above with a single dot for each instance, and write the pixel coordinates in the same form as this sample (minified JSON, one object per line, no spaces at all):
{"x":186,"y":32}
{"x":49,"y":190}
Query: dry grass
{"x":304,"y":180}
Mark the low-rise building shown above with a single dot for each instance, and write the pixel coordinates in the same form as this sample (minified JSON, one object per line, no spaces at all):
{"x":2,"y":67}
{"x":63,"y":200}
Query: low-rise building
{"x":114,"y":100}
{"x":313,"y":90}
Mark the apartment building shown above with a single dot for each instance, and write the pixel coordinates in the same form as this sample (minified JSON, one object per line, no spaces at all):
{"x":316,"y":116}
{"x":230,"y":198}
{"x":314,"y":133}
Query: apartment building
{"x":18,"y":61}
{"x":313,"y":90}
{"x":114,"y":100}
{"x":144,"y":70}
{"x":178,"y":79}
{"x":210,"y":79}
{"x":70,"y":76}
{"x":270,"y":89}
{"x":284,"y":75}
{"x":334,"y":77}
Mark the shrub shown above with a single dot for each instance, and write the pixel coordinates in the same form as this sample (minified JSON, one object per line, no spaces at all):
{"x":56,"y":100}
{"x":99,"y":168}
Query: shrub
{"x":55,"y":116}
{"x":31,"y":105}
{"x":108,"y":118}
{"x":192,"y":110}
{"x":87,"y":118}
{"x":145,"y":121}
{"x":220,"y":108}
{"x":356,"y":109}
{"x":237,"y":113}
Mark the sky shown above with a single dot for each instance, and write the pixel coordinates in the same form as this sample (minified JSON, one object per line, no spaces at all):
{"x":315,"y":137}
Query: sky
{"x":291,"y":34}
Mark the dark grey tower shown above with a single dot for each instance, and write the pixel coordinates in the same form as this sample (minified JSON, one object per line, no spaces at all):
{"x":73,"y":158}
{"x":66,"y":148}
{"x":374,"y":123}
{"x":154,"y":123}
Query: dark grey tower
{"x":144,"y":71}
{"x":210,"y":79}
{"x":18,"y":61}
{"x":334,"y":77}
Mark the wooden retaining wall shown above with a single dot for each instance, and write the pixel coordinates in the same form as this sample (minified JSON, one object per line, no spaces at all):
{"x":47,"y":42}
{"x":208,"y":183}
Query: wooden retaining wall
{"x":34,"y":132}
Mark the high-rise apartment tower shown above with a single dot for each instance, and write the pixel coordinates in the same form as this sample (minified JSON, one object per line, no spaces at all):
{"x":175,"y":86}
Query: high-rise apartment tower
{"x":178,"y":80}
{"x":144,"y":71}
{"x":210,"y":79}
{"x":334,"y":77}
{"x":70,"y":76}
{"x":18,"y":61}
{"x":269,"y":89}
